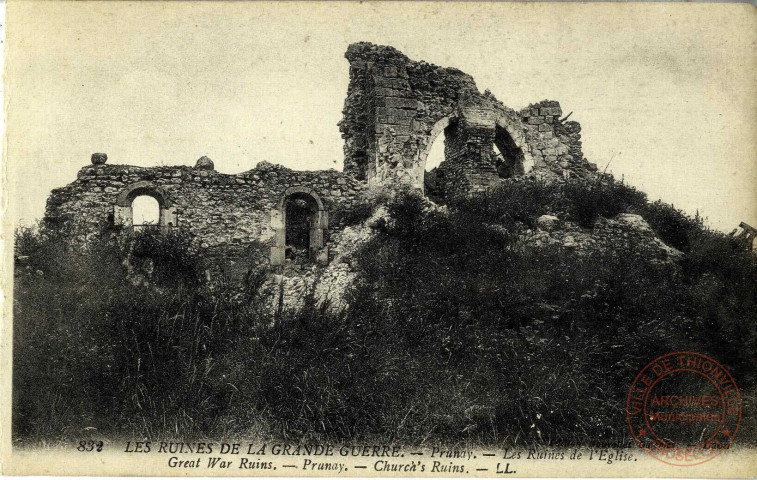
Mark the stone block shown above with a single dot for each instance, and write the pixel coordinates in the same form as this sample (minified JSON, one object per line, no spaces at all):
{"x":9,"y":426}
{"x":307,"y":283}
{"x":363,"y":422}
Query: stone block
{"x":322,"y":256}
{"x":277,"y":220}
{"x":402,"y":121}
{"x":122,"y":216}
{"x":395,"y":113}
{"x":393,"y":83}
{"x":322,"y":219}
{"x":204,"y":163}
{"x":547,"y":222}
{"x":398,"y":102}
{"x":277,"y":256}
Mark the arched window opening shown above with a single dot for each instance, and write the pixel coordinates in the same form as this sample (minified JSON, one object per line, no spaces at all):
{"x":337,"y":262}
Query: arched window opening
{"x":300,"y":223}
{"x":508,"y":157}
{"x":300,"y":210}
{"x":145,"y":212}
{"x":144,"y":205}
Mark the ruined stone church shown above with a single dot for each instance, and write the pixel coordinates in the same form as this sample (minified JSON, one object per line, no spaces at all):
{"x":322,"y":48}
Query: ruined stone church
{"x":394,"y":110}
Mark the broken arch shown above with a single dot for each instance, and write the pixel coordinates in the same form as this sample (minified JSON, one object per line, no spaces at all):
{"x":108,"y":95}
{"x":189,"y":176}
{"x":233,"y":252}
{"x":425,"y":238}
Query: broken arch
{"x":505,"y":139}
{"x":510,"y":141}
{"x":429,"y":179}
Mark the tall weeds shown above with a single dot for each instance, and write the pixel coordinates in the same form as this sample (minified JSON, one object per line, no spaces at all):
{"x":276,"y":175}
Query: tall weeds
{"x":458,"y":332}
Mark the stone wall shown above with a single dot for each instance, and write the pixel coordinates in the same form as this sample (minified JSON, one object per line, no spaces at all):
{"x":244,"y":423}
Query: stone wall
{"x":552,"y":143}
{"x":395,"y":108}
{"x":225,"y":214}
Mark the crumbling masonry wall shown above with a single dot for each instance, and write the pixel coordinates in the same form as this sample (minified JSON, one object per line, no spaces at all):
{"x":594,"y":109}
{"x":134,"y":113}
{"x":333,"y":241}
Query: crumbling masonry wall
{"x":227,"y":215}
{"x":396,"y":107}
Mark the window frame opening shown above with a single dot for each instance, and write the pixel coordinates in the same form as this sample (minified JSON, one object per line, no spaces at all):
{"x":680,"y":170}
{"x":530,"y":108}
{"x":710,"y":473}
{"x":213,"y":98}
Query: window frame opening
{"x":139,"y":212}
{"x":317,"y":222}
{"x":298,"y":230}
{"x":123,"y":212}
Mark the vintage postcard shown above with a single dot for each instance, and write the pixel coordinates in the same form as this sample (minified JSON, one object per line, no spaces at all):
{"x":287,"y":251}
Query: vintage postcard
{"x":379,"y":239}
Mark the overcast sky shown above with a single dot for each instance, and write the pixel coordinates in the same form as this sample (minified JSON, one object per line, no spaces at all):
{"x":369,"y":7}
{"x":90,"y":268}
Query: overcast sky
{"x":666,"y":92}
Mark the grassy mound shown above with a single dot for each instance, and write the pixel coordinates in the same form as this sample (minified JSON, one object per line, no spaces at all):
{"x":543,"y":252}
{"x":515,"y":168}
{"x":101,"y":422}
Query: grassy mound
{"x":458,"y":332}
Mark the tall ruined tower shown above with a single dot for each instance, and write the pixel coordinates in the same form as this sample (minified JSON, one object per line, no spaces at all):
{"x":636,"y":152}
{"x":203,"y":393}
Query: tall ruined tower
{"x":395,"y":108}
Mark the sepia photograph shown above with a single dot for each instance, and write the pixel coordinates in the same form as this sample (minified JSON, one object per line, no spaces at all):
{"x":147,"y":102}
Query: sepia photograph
{"x":447,"y":239}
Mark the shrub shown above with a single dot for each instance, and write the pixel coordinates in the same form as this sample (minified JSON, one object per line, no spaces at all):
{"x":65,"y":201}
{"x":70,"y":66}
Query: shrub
{"x":354,"y":215}
{"x":61,"y":297}
{"x":581,"y":200}
{"x":408,"y":214}
{"x":28,"y":242}
{"x":476,"y":307}
{"x":514,"y":201}
{"x":588,"y":199}
{"x":672,"y":226}
{"x":475,"y":304}
{"x":170,"y":253}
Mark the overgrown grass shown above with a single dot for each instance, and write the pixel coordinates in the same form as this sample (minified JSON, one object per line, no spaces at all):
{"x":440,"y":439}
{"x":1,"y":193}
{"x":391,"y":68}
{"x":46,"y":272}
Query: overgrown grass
{"x":541,"y":343}
{"x":93,"y":348}
{"x":358,"y":211}
{"x":581,"y":200}
{"x":457,"y":332}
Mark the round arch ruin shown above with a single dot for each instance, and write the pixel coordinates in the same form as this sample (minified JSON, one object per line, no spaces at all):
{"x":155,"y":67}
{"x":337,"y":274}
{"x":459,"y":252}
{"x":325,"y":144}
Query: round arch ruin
{"x":516,"y":133}
{"x":420,"y":165}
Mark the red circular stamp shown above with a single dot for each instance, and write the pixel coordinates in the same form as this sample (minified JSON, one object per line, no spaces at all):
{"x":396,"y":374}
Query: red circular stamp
{"x":684,"y":408}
